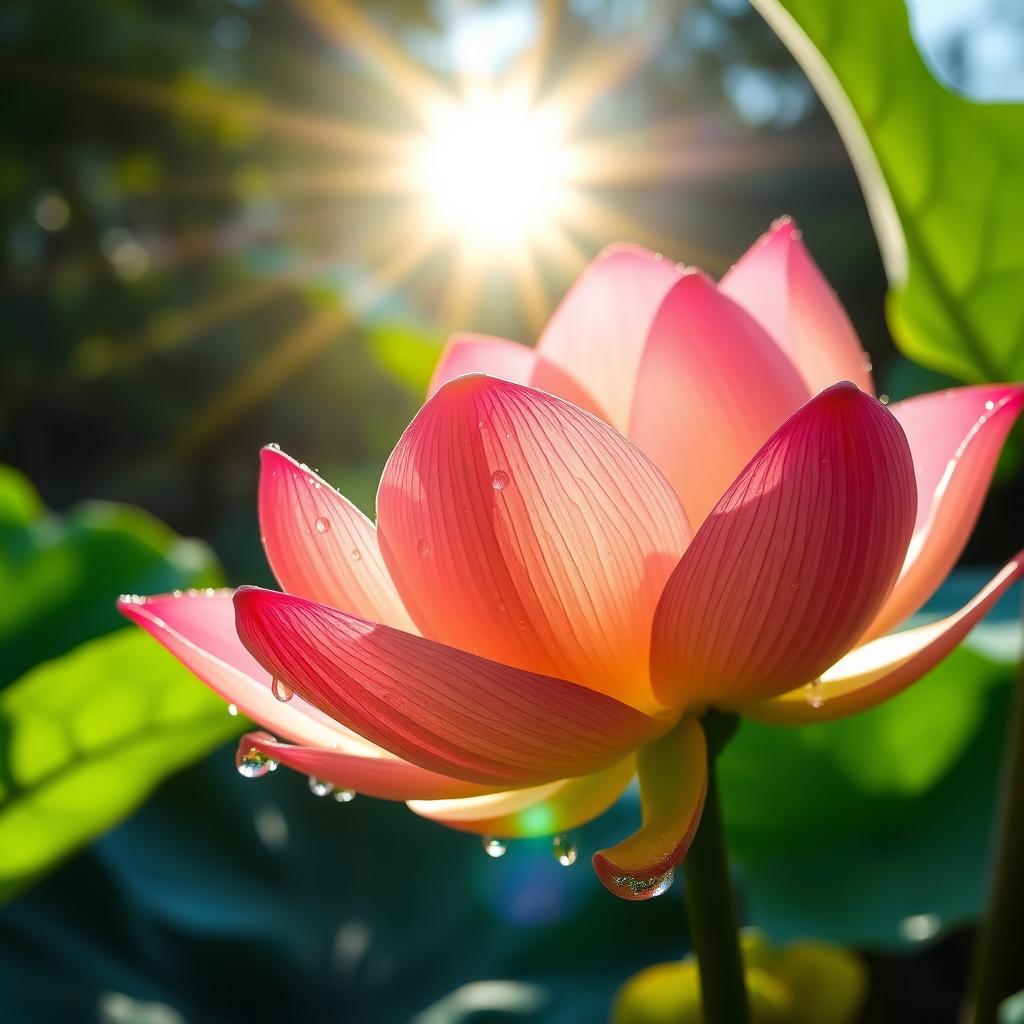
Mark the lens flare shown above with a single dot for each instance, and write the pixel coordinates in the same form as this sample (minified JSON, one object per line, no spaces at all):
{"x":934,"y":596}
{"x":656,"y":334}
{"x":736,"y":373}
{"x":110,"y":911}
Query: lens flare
{"x":492,"y":171}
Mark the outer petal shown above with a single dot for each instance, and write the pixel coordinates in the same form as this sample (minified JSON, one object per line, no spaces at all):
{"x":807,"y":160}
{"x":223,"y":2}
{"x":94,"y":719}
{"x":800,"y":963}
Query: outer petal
{"x":777,"y":281}
{"x":597,"y":333}
{"x":443,"y":709}
{"x":673,"y":784}
{"x":711,"y":389}
{"x":520,"y":528}
{"x":387,"y":777}
{"x":537,"y":811}
{"x":794,"y":561}
{"x":321,"y":546}
{"x":881,"y":669}
{"x":198,"y":628}
{"x":955,"y":438}
{"x":482,"y":353}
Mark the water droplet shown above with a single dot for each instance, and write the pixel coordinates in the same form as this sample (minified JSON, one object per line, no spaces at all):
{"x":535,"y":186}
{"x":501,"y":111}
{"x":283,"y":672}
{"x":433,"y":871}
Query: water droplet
{"x":233,"y":710}
{"x":868,"y":366}
{"x":564,"y":850}
{"x":423,"y":548}
{"x":989,"y":405}
{"x":322,"y":524}
{"x":494,"y":847}
{"x":884,"y":399}
{"x":508,"y":436}
{"x":254,"y":764}
{"x":502,"y":606}
{"x":815,"y":696}
{"x":355,"y":555}
{"x":794,"y":584}
{"x":281,"y":690}
{"x":481,"y":424}
{"x":274,"y":446}
{"x":499,"y":480}
{"x":644,"y":888}
{"x":659,"y":255}
{"x":344,"y":796}
{"x":521,"y":623}
{"x":318,"y":787}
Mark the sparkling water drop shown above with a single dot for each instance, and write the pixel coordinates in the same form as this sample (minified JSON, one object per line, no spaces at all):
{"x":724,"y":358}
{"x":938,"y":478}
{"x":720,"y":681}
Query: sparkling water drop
{"x":344,"y":796}
{"x":989,"y":405}
{"x":323,"y":524}
{"x":499,"y":480}
{"x":274,"y":446}
{"x":884,"y":399}
{"x":815,"y":696}
{"x":233,"y":710}
{"x":494,"y":847}
{"x":281,"y":690}
{"x":423,"y":548}
{"x":254,"y":764}
{"x":633,"y":888}
{"x":318,"y":787}
{"x":564,"y":850}
{"x":355,"y":555}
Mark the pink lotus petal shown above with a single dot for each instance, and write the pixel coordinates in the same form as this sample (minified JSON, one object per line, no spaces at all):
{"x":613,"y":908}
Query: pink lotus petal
{"x":596,"y":336}
{"x":673,"y":784}
{"x":711,"y":389}
{"x":536,"y":811}
{"x":955,"y":438}
{"x":778,"y":283}
{"x":881,"y":669}
{"x":443,"y":709}
{"x":482,"y":353}
{"x":198,"y":628}
{"x":384,"y":777}
{"x":321,"y":546}
{"x":520,"y":528}
{"x":794,"y":561}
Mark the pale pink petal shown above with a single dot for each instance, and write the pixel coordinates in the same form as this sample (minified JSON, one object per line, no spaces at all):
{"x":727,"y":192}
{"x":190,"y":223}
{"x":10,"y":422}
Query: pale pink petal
{"x":520,"y":528}
{"x":781,"y":286}
{"x":673,"y":783}
{"x":955,"y":438}
{"x":443,"y":709}
{"x":882,"y":668}
{"x":481,"y":353}
{"x":387,"y":777}
{"x":321,"y":546}
{"x":794,"y":561}
{"x":711,"y":389}
{"x":596,"y":336}
{"x":536,"y":811}
{"x":198,"y":628}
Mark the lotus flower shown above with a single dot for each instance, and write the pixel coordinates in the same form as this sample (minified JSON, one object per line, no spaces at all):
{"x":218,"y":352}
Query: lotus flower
{"x":684,"y":497}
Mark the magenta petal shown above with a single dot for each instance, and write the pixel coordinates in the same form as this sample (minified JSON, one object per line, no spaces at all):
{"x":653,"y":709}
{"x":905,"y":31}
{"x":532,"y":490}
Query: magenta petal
{"x":443,"y":709}
{"x":794,"y":561}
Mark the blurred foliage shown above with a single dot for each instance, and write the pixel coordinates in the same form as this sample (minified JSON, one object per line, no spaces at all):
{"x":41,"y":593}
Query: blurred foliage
{"x":947,"y":168}
{"x":102,"y":717}
{"x":802,"y":983}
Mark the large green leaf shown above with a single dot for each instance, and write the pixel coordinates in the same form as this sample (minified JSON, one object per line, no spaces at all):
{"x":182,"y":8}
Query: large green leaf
{"x":85,"y":737}
{"x":941,"y":175}
{"x":68,"y":571}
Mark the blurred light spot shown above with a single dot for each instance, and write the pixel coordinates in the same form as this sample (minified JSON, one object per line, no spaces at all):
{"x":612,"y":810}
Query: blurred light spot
{"x":920,"y":927}
{"x":231,"y":32}
{"x":128,"y":257}
{"x":92,"y":357}
{"x":483,"y":39}
{"x":764,"y":97}
{"x":52,"y":211}
{"x":478,"y":997}
{"x":351,"y":942}
{"x":271,"y":827}
{"x":117,"y":1008}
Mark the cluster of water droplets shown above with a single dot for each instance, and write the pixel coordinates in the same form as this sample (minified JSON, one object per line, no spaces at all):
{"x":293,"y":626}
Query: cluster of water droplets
{"x":648,"y":888}
{"x":563,"y":849}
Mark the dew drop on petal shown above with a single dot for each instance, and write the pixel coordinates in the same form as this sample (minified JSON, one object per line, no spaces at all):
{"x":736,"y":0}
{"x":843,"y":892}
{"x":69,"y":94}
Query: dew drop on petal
{"x":629,"y":886}
{"x":989,"y":405}
{"x":499,"y":480}
{"x":355,"y":555}
{"x":494,"y":847}
{"x":344,"y":796}
{"x":815,"y":695}
{"x":564,"y":850}
{"x":322,"y":524}
{"x":423,"y":548}
{"x":233,"y":710}
{"x":502,"y":606}
{"x":254,"y":764}
{"x":281,"y":690}
{"x":320,"y":788}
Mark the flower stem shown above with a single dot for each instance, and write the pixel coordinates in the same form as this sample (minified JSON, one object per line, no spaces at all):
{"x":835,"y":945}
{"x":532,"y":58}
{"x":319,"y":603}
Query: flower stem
{"x":711,"y":905}
{"x":997,"y":970}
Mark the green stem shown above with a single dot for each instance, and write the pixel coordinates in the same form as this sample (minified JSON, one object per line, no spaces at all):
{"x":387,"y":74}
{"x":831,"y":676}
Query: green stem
{"x":997,"y":971}
{"x":711,"y":908}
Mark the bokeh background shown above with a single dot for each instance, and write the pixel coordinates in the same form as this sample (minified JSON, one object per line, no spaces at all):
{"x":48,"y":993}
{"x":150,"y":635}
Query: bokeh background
{"x":205,"y":251}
